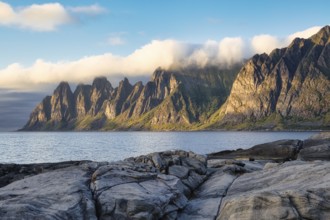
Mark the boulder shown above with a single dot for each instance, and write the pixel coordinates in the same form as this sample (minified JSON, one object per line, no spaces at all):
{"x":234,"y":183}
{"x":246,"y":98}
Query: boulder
{"x":278,"y":150}
{"x":318,"y":152}
{"x":12,"y":172}
{"x":154,"y":186}
{"x":58,"y":194}
{"x":293,"y":190}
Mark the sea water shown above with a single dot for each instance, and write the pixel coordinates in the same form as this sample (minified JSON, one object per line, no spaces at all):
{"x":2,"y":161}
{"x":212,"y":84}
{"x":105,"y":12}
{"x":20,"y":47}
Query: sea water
{"x":38,"y":147}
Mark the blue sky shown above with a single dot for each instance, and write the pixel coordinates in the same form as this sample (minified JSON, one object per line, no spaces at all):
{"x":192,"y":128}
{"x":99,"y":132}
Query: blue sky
{"x":45,"y":42}
{"x":139,"y":22}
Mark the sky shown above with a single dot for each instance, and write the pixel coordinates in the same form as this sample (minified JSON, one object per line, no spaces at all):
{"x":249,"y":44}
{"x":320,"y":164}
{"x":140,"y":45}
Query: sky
{"x":45,"y":42}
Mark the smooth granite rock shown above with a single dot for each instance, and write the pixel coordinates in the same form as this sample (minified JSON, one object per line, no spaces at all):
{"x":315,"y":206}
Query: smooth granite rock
{"x":154,"y":186}
{"x":318,"y":152}
{"x":316,"y":149}
{"x":277,"y":150}
{"x":174,"y":185}
{"x":178,"y":171}
{"x":293,"y":190}
{"x":13,"y":172}
{"x":59,"y":194}
{"x":206,"y":199}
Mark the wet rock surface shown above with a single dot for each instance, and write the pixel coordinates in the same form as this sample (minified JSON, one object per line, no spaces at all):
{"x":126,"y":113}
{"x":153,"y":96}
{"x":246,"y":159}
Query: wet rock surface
{"x":287,"y":179}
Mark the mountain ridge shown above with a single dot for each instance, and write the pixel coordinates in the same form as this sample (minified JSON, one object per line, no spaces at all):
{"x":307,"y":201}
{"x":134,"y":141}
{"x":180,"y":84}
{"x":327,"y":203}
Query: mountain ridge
{"x":286,"y":89}
{"x":171,"y":98}
{"x":290,"y":85}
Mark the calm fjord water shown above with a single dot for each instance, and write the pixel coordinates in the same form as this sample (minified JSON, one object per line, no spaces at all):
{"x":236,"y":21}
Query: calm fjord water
{"x":37,"y":147}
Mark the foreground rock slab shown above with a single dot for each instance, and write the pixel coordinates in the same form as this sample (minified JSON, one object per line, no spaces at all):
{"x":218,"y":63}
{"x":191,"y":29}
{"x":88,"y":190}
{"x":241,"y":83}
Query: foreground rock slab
{"x":154,"y":186}
{"x":293,"y":190}
{"x":59,"y":194}
{"x":287,"y":179}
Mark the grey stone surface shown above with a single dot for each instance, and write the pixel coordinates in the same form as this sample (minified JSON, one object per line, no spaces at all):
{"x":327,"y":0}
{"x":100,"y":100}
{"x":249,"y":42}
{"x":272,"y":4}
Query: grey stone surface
{"x":277,"y":150}
{"x":201,"y":208}
{"x":318,"y":152}
{"x":293,"y":190}
{"x":178,"y":171}
{"x":59,"y":194}
{"x":154,"y":186}
{"x":175,"y":185}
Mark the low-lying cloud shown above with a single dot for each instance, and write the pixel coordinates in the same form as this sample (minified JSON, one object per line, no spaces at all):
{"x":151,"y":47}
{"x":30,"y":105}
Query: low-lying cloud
{"x":265,"y":43}
{"x":143,"y":61}
{"x":43,"y":17}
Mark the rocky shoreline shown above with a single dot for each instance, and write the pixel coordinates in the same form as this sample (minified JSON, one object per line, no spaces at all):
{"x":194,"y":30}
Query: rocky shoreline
{"x":286,"y":179}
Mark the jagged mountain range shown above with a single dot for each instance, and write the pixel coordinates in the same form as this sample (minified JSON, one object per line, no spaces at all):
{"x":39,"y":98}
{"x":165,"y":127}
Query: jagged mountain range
{"x":172,"y":99}
{"x":287,"y":89}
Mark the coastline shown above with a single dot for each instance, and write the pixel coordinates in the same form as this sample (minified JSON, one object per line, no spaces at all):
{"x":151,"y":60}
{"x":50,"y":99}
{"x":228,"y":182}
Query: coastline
{"x":269,"y":180}
{"x":45,"y":147}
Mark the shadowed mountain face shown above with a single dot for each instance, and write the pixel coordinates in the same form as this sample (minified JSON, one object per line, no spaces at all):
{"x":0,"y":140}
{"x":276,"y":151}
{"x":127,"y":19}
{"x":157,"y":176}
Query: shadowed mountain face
{"x":289,"y":88}
{"x":172,"y":99}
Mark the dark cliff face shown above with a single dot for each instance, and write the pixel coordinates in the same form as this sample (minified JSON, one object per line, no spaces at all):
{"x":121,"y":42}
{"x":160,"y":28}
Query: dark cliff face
{"x":101,"y":91}
{"x":189,"y":96}
{"x":82,"y":97}
{"x":55,"y":111}
{"x":62,"y":105}
{"x":289,"y":85}
{"x":119,"y":103}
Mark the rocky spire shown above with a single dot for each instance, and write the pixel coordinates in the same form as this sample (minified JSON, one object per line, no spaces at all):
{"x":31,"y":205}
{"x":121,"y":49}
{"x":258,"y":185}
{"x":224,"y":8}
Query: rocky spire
{"x":322,"y":37}
{"x":62,"y":103}
{"x":101,"y":91}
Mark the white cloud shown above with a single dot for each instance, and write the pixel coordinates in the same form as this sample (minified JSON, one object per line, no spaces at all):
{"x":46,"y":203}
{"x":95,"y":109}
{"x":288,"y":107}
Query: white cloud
{"x":304,"y":34}
{"x":203,"y":54}
{"x":42,"y":17}
{"x":7,"y":14}
{"x":90,"y":10}
{"x":45,"y":17}
{"x":142,"y":62}
{"x":231,"y":50}
{"x":264,"y":43}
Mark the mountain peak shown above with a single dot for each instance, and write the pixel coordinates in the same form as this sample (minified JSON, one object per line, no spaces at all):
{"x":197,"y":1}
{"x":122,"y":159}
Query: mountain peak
{"x":63,"y":86}
{"x":125,"y":85}
{"x":102,"y":83}
{"x":125,"y":81}
{"x":322,"y":37}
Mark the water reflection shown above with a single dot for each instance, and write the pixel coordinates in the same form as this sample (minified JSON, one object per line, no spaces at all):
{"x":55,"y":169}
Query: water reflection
{"x":36,"y":147}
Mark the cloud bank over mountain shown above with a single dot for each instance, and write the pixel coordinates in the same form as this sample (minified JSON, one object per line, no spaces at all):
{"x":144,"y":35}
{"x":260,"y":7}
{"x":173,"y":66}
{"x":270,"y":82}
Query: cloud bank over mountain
{"x":143,"y":61}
